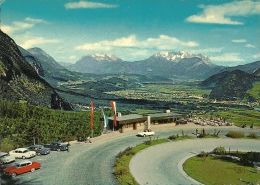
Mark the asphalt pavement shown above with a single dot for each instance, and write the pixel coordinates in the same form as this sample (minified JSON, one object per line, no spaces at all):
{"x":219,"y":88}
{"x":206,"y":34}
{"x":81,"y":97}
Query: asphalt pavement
{"x":92,"y":163}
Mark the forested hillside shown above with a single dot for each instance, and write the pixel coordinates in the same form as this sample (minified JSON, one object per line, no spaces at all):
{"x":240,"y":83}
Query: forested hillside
{"x":20,"y":81}
{"x":22,"y":123}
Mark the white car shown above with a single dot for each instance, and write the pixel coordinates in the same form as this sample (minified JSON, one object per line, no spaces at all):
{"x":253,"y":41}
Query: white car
{"x":6,"y":158}
{"x":146,"y":133}
{"x":22,"y":153}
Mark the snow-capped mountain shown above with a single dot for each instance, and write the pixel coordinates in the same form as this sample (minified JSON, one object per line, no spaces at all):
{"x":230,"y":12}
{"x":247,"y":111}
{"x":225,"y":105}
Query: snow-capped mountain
{"x":169,"y":64}
{"x":101,"y":57}
{"x":177,"y":56}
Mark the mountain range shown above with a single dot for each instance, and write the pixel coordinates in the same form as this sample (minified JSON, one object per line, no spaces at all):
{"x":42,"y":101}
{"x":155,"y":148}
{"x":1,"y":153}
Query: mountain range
{"x":20,"y":81}
{"x":174,"y":65}
{"x":24,"y":73}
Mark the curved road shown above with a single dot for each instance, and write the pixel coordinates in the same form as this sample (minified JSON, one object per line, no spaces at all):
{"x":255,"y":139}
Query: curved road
{"x":92,"y":163}
{"x":162,"y":164}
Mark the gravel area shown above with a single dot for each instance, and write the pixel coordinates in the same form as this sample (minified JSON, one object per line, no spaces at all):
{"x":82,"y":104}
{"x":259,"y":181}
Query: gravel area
{"x":92,"y":163}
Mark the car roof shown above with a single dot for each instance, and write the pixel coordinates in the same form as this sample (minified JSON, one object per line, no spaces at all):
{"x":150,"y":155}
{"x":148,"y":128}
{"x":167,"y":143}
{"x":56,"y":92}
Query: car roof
{"x":3,"y":153}
{"x":24,"y":161}
{"x":22,"y":149}
{"x":36,"y":146}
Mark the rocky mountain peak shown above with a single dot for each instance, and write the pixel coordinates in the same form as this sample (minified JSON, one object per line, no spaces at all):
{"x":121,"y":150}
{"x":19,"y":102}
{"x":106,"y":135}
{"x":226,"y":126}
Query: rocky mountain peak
{"x":177,"y":56}
{"x":102,"y":57}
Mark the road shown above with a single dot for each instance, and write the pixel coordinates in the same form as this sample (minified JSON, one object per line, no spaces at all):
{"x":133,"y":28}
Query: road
{"x":162,"y":164}
{"x":92,"y":163}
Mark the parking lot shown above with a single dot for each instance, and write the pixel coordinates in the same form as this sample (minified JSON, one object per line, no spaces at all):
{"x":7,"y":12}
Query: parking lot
{"x":92,"y":163}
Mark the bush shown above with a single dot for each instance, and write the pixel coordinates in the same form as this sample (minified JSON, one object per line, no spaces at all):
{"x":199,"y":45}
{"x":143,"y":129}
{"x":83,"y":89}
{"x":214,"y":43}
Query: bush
{"x":7,"y":145}
{"x":234,"y":134}
{"x":120,"y":171}
{"x":219,"y":150}
{"x":253,"y":156}
{"x":202,"y":135}
{"x":253,"y":136}
{"x":127,"y":152}
{"x":172,"y":137}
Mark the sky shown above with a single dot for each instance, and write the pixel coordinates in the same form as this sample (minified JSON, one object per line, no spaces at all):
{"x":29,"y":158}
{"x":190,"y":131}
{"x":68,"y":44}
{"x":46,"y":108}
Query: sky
{"x":226,"y":31}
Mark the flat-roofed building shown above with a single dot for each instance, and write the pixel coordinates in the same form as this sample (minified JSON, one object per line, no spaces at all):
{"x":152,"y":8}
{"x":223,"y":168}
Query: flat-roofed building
{"x":135,"y":120}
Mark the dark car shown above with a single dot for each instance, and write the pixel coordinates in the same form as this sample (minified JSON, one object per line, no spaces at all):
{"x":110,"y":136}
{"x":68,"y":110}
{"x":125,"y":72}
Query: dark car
{"x":181,"y":121}
{"x":39,"y":149}
{"x":56,"y":146}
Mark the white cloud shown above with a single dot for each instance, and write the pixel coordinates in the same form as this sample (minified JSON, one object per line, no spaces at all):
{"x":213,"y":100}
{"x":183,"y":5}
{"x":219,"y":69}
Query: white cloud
{"x":29,"y":19}
{"x":72,"y":57}
{"x":38,"y":41}
{"x":22,"y":25}
{"x":257,"y":56}
{"x":207,"y":50}
{"x":7,"y":29}
{"x":221,"y":14}
{"x":16,"y":26}
{"x":238,"y":41}
{"x":163,"y":42}
{"x":88,"y":4}
{"x":19,"y":26}
{"x":227,"y":57}
{"x":250,"y":46}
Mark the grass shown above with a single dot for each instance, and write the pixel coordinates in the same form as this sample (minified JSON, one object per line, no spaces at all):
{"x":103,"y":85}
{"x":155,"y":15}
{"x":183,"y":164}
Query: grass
{"x":237,"y":116}
{"x":121,"y":167}
{"x":144,"y":111}
{"x":255,"y":90}
{"x":212,"y":170}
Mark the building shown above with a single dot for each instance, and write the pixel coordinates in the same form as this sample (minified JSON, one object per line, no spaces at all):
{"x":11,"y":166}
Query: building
{"x":135,"y":120}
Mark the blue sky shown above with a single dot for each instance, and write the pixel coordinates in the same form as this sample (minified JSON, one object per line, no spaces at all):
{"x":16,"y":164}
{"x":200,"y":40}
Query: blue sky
{"x":228,"y":32}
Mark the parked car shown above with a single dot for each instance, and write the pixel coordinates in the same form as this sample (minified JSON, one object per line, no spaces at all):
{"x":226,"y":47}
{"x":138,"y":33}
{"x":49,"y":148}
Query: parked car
{"x":6,"y":158}
{"x":148,"y":132}
{"x":181,"y":121}
{"x":56,"y":146}
{"x":21,"y":167}
{"x":39,"y":149}
{"x":22,"y":153}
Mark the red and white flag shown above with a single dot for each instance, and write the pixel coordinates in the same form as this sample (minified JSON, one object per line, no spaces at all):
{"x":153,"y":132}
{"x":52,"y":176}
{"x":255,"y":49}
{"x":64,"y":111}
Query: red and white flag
{"x":113,"y":105}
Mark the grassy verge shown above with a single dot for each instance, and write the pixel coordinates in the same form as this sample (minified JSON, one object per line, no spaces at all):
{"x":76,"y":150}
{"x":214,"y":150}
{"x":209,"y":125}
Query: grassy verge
{"x":234,"y":134}
{"x":121,"y":167}
{"x":212,"y":170}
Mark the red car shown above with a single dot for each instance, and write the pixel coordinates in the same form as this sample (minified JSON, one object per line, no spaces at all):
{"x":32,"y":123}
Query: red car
{"x":21,"y":167}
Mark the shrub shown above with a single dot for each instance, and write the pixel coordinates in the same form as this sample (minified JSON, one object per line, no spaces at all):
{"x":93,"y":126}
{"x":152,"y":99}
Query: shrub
{"x":234,"y":134}
{"x":7,"y":145}
{"x":253,"y":136}
{"x":120,"y":171}
{"x":219,"y":150}
{"x":203,"y":135}
{"x":172,"y":137}
{"x":253,"y":156}
{"x":127,"y":152}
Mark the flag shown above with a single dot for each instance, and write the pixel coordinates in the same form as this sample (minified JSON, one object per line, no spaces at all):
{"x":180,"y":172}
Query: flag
{"x":113,"y":105}
{"x":105,"y":118}
{"x":92,"y":115}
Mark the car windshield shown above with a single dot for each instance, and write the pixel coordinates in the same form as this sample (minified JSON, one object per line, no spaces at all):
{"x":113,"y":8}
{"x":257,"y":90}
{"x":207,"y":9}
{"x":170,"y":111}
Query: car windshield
{"x":5,"y":155}
{"x":16,"y":164}
{"x":25,"y":151}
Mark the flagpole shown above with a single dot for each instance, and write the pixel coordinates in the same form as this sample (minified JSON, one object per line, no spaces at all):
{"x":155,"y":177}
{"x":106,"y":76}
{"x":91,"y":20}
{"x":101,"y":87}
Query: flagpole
{"x":92,"y":118}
